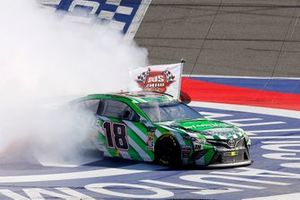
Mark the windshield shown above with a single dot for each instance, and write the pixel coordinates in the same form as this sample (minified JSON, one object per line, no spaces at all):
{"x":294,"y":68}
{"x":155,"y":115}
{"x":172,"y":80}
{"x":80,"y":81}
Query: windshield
{"x":161,"y":112}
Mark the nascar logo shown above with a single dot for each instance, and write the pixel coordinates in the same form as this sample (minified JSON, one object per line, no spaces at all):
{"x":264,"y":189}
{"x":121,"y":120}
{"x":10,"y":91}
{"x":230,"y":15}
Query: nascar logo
{"x":122,"y":15}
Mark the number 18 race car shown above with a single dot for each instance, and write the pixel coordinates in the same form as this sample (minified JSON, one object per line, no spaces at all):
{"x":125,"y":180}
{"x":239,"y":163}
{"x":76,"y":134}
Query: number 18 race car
{"x":151,"y":126}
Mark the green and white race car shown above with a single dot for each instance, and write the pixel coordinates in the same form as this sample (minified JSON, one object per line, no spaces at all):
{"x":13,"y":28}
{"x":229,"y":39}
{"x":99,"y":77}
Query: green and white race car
{"x":151,"y":126}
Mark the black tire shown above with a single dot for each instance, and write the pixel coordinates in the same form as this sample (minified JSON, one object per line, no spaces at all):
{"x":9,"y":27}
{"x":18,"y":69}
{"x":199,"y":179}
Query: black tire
{"x":167,"y":151}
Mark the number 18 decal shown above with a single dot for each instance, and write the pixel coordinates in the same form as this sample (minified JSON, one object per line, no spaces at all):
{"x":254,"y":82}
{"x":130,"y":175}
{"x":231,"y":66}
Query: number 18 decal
{"x":116,"y":135}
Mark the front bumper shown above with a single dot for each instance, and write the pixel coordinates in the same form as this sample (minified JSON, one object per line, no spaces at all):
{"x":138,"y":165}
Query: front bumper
{"x":224,"y":158}
{"x":224,"y":165}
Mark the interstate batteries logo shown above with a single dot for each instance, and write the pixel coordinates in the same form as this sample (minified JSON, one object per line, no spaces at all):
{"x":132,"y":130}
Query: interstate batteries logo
{"x":155,"y":80}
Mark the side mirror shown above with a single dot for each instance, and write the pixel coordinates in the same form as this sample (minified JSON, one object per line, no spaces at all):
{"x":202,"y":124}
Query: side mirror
{"x":184,"y":97}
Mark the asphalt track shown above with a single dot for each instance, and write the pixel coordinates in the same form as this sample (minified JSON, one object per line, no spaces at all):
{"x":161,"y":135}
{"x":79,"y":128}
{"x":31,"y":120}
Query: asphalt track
{"x":275,"y":170}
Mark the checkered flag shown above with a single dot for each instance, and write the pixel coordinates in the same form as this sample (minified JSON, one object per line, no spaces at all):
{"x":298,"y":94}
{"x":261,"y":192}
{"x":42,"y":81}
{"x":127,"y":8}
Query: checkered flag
{"x":142,"y":77}
{"x":170,"y":77}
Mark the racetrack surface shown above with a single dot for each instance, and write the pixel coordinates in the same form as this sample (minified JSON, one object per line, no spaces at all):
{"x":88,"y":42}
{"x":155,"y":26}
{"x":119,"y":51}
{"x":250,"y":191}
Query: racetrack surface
{"x":275,"y":170}
{"x":226,"y":37}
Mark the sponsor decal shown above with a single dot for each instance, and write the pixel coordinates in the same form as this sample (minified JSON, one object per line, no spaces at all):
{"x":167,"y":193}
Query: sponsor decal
{"x":150,"y":142}
{"x":209,"y":125}
{"x":157,"y":81}
{"x":185,"y":151}
{"x":197,"y":147}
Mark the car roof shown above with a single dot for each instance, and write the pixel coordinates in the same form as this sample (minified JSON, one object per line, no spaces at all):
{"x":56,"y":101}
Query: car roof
{"x":136,"y":97}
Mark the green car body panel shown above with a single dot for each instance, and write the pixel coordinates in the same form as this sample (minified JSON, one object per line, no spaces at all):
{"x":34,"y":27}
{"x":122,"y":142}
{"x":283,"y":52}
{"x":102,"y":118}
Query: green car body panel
{"x":201,"y":141}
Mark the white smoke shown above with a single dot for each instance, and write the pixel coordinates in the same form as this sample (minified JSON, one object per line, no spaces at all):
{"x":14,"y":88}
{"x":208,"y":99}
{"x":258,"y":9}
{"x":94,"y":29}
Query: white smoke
{"x":42,"y":58}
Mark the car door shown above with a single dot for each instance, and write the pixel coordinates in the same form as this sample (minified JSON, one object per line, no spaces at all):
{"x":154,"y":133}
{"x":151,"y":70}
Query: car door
{"x":121,"y":133}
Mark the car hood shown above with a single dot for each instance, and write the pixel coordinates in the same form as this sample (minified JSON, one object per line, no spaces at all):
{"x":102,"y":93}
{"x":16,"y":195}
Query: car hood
{"x":207,"y":128}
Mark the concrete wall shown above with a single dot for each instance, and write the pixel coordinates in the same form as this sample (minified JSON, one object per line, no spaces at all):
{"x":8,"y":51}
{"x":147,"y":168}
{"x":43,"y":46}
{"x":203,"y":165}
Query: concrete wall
{"x":229,"y":37}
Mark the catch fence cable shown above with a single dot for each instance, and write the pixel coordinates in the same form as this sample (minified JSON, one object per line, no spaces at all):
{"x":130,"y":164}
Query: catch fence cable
{"x":293,"y":23}
{"x":206,"y":36}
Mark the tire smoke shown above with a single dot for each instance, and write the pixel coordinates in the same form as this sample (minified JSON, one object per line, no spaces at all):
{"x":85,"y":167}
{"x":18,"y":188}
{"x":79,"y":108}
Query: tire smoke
{"x":46,"y":61}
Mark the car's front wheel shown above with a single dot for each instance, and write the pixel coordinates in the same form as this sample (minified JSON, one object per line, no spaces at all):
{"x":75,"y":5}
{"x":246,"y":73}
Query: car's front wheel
{"x":167,"y":151}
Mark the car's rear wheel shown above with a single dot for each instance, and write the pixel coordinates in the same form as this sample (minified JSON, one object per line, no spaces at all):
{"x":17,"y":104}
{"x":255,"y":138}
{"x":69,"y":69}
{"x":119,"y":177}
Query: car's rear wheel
{"x":167,"y":151}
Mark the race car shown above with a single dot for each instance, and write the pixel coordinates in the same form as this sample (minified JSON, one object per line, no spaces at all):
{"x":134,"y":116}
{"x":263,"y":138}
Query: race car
{"x":155,"y":127}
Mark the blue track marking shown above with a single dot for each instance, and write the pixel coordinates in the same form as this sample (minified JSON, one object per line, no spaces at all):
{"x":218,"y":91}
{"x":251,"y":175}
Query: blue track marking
{"x":189,"y":183}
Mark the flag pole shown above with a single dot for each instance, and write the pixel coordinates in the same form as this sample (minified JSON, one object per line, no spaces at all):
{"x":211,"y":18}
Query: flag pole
{"x":182,"y":61}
